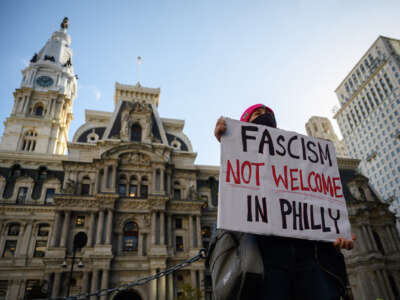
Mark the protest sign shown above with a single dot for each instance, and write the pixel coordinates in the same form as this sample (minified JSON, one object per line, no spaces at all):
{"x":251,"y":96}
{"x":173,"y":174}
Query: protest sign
{"x":277,"y":182}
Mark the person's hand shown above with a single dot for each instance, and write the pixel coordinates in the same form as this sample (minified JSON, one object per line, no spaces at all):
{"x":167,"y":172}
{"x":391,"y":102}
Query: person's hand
{"x":342,"y":243}
{"x":220,"y":128}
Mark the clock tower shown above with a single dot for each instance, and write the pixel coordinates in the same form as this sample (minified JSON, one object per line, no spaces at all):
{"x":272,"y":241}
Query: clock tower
{"x":42,"y":111}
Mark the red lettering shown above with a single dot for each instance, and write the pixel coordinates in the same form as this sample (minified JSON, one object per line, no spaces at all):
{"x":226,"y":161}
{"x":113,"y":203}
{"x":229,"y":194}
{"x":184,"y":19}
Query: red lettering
{"x":318,"y":182}
{"x":327,"y":185}
{"x":280,"y":178}
{"x":337,"y":187}
{"x":258,"y":165}
{"x":309,"y":181}
{"x":293,"y":179}
{"x":236,"y":178}
{"x":303,"y":188}
{"x":246,"y":163}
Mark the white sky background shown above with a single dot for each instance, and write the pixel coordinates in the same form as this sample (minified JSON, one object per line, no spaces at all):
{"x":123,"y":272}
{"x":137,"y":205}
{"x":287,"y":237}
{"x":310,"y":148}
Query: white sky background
{"x":209,"y":58}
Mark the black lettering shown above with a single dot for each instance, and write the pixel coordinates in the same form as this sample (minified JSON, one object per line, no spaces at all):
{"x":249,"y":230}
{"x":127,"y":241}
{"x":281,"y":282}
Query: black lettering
{"x":315,"y":160}
{"x":303,"y":148}
{"x":261,"y":212}
{"x":327,"y":154}
{"x":249,"y":213}
{"x":324,"y":228}
{"x":268,"y":141}
{"x":313,"y":225}
{"x":289,"y":147}
{"x":285,"y":212}
{"x":246,"y":137}
{"x":335,"y":219}
{"x":297,"y":215}
{"x":306,"y":225}
{"x":280,"y":139}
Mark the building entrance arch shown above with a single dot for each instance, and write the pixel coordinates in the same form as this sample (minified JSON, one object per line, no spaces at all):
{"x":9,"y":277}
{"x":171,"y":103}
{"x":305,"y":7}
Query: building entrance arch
{"x":128,"y":295}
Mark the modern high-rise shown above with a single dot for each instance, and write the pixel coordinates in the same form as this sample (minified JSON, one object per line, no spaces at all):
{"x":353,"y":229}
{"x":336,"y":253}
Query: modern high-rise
{"x":369,"y":116}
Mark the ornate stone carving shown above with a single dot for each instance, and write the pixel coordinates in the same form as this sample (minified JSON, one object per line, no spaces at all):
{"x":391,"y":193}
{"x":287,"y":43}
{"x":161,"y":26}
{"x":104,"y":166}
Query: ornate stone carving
{"x":135,"y":158}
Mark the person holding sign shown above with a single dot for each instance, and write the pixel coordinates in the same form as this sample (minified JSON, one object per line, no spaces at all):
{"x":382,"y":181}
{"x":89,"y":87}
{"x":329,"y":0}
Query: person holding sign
{"x":302,"y":258}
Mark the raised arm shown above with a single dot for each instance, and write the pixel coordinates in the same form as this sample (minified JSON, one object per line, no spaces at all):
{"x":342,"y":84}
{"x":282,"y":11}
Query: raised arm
{"x":220,"y":128}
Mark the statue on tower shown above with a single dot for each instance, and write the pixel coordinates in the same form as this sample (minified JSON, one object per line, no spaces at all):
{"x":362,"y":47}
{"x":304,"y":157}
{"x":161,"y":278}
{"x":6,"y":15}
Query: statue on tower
{"x":65,"y":23}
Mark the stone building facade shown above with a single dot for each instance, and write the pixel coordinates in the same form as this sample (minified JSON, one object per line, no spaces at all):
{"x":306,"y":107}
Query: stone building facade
{"x":129,"y":188}
{"x":128,"y":185}
{"x":373,"y":266}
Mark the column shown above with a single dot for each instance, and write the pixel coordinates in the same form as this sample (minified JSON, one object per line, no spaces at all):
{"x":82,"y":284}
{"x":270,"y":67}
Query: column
{"x":95,"y":283}
{"x":198,"y":225}
{"x":190,"y":232}
{"x":113,"y":177}
{"x":366,"y":237}
{"x":390,"y":237}
{"x":64,"y":234}
{"x":53,"y":242}
{"x":193,"y":279}
{"x":105,"y":187}
{"x":56,"y":285}
{"x":109,"y":226}
{"x":395,"y":236}
{"x":161,"y":292}
{"x":169,"y":228}
{"x":363,"y":239}
{"x":91,"y":230}
{"x":202,"y":284}
{"x":26,"y":239}
{"x":104,"y":180}
{"x":100,"y":224}
{"x":153,"y":185}
{"x":85,"y":282}
{"x":153,"y":227}
{"x":374,"y":246}
{"x":162,"y":181}
{"x":162,"y":228}
{"x":104,"y":283}
{"x":153,"y":287}
{"x":20,"y":240}
{"x":140,"y":246}
{"x":387,"y":283}
{"x":96,"y":183}
{"x":382,"y":284}
{"x":170,"y":279}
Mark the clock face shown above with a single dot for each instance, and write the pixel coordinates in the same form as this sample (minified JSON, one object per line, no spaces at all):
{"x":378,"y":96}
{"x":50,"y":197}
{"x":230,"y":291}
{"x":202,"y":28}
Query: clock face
{"x":44,"y":81}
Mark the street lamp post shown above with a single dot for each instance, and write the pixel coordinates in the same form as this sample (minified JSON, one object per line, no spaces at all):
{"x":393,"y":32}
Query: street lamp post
{"x":80,"y":241}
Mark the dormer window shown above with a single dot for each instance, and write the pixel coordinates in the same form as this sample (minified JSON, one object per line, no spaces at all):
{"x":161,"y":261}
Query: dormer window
{"x":136,"y":133}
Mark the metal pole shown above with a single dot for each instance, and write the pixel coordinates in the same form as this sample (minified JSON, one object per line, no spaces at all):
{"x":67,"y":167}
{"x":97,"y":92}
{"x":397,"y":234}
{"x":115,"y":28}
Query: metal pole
{"x":70,"y":272}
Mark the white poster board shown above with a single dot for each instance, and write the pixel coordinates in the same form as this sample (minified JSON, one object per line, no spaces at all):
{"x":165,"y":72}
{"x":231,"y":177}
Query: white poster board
{"x":277,"y":182}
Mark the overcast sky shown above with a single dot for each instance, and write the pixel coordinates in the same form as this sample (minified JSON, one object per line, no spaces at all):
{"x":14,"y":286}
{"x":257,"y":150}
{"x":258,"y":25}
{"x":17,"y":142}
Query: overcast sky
{"x":209,"y":58}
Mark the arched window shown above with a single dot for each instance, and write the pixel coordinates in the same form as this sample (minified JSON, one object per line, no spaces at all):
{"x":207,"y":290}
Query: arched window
{"x":29,"y":141}
{"x":38,"y":110}
{"x":131,"y":234}
{"x":136,"y":133}
{"x":122,"y":186}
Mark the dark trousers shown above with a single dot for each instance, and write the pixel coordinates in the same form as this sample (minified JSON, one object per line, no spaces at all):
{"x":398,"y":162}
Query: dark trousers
{"x":291,"y":272}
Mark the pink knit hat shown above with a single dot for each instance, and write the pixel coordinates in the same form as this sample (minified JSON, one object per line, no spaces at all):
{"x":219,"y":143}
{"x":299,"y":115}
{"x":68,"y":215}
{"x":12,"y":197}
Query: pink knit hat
{"x":247,"y":113}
